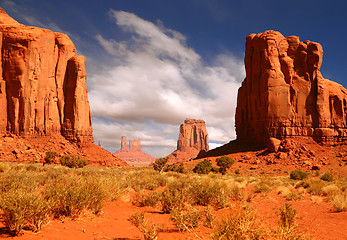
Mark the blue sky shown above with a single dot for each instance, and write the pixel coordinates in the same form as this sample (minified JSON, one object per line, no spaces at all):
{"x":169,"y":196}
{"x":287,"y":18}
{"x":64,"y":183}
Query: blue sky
{"x":153,"y":63}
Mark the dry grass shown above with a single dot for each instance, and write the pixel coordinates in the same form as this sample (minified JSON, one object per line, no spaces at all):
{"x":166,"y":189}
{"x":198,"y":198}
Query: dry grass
{"x":241,"y":224}
{"x":340,"y":202}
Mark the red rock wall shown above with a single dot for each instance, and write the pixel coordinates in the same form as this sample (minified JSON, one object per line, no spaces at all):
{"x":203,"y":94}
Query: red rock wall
{"x":284,"y":93}
{"x":42,"y":83}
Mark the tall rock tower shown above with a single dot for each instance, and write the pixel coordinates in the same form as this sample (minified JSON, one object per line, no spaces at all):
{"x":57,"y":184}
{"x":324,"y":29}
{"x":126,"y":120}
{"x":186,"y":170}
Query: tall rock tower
{"x":285,"y":95}
{"x":192,"y":139}
{"x":43,"y":87}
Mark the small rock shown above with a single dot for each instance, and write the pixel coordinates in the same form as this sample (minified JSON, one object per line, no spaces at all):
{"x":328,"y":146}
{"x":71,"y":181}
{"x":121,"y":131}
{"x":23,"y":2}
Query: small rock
{"x":273,"y":145}
{"x":316,"y":167}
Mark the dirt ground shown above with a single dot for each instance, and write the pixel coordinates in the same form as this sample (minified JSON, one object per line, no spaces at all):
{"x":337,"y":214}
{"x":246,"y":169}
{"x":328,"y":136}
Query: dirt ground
{"x":314,"y":218}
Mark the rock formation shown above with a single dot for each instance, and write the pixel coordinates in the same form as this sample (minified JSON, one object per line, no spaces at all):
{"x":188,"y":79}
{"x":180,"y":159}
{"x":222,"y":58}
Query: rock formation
{"x":42,"y":83}
{"x":284,"y":93}
{"x":134,"y":154}
{"x":192,"y":139}
{"x":43,"y":97}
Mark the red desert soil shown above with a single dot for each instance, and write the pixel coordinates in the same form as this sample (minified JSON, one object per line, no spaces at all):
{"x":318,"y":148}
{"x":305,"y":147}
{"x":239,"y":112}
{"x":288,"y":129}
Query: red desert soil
{"x":316,"y":220}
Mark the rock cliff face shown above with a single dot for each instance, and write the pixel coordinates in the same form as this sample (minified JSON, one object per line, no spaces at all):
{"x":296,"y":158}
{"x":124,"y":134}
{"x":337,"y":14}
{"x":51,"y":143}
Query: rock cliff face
{"x":192,"y":139}
{"x":42,"y":84}
{"x":285,"y":95}
{"x":134,"y":154}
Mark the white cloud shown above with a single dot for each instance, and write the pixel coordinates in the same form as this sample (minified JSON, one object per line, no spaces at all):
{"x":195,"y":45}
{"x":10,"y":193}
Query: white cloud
{"x":156,"y":81}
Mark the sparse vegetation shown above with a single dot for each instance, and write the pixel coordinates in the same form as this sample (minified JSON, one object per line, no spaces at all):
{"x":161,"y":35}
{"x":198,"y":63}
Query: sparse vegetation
{"x":31,"y":194}
{"x":340,"y":202}
{"x":224,"y":163}
{"x":186,"y":220}
{"x":73,"y":161}
{"x":203,"y":167}
{"x":50,"y":157}
{"x":287,"y":227}
{"x":298,"y":175}
{"x":160,"y":163}
{"x":240,"y":224}
{"x":149,"y":230}
{"x":327,"y":177}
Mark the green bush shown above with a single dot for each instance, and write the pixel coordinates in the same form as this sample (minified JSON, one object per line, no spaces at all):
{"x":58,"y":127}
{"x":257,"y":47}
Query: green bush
{"x":50,"y":157}
{"x":203,"y":167}
{"x":224,"y":163}
{"x":160,"y":163}
{"x":73,"y":161}
{"x":327,"y":177}
{"x":179,"y":168}
{"x":298,"y":175}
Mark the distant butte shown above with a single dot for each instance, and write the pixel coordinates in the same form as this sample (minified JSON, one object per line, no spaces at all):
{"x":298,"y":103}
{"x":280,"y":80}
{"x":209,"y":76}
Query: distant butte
{"x":134,"y":155}
{"x":192,"y":139}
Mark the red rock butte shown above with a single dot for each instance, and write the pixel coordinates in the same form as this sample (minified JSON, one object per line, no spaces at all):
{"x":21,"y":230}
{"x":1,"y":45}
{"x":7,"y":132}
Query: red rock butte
{"x":43,"y":97}
{"x":42,"y":83}
{"x":192,"y":139}
{"x":134,"y":155}
{"x":284,"y":93}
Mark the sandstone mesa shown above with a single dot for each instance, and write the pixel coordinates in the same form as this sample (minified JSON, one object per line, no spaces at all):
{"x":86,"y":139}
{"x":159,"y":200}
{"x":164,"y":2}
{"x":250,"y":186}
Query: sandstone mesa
{"x":284,"y":94}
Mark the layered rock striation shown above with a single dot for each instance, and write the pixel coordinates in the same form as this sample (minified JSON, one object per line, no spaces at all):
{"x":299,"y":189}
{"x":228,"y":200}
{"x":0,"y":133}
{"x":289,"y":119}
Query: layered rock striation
{"x":284,"y":93}
{"x":43,"y":88}
{"x":192,"y":139}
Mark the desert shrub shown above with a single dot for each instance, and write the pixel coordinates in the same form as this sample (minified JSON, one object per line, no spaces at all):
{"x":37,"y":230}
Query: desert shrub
{"x":73,"y":161}
{"x":241,"y":224}
{"x":23,"y":209}
{"x":298,"y":175}
{"x":210,"y":192}
{"x":160,"y":163}
{"x":150,"y":231}
{"x":264,"y":185}
{"x":72,"y":195}
{"x":316,"y":186}
{"x":208,"y":217}
{"x":186,"y":220}
{"x":224,"y":163}
{"x":142,"y":200}
{"x":327,"y":177}
{"x":340,"y":202}
{"x":175,"y":196}
{"x":331,"y":190}
{"x":203,"y":167}
{"x":287,"y":227}
{"x":179,"y":168}
{"x":287,"y":193}
{"x":50,"y":157}
{"x":145,"y":179}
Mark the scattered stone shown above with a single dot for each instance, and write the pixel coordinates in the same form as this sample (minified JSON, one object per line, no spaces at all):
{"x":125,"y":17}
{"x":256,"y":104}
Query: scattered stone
{"x":273,"y":145}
